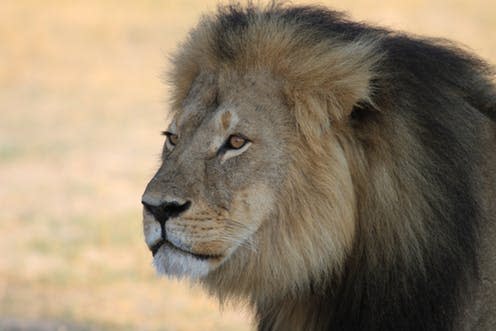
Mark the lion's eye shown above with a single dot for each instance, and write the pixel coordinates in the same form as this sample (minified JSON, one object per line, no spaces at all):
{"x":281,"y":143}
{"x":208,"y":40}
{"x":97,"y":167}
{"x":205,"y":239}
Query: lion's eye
{"x":236,"y":142}
{"x":235,"y":145}
{"x":172,"y":138}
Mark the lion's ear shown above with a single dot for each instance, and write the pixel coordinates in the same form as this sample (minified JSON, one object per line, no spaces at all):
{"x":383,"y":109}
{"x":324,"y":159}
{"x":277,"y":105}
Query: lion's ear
{"x":351,"y":95}
{"x":348,"y":97}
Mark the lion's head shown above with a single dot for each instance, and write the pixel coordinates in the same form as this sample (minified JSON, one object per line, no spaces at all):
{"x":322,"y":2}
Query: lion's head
{"x":241,"y":183}
{"x":224,"y":162}
{"x":314,"y":158}
{"x":252,"y":174}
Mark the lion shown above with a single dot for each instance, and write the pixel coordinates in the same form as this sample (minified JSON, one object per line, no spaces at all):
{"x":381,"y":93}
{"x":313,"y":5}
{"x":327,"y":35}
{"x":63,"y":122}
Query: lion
{"x":332,"y":174}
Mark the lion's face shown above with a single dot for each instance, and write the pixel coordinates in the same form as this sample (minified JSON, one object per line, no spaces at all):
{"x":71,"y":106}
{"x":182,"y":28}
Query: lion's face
{"x":223,"y":161}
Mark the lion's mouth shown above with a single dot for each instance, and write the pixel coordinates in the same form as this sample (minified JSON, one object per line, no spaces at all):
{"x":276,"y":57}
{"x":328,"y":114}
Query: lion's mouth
{"x":170,"y":245}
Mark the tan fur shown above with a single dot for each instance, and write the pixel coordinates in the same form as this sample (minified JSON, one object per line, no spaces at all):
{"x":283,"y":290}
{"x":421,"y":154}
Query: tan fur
{"x":226,"y":120}
{"x":345,"y":69}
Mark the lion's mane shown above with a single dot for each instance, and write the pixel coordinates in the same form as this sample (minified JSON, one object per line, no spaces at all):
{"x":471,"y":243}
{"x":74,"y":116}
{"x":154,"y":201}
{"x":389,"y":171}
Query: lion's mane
{"x":378,"y":225}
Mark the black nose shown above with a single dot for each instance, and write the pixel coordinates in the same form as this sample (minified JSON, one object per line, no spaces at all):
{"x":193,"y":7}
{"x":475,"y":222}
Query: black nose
{"x":166,"y":210}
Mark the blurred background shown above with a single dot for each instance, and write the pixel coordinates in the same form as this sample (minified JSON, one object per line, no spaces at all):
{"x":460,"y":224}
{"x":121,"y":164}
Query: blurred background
{"x":81,"y":110}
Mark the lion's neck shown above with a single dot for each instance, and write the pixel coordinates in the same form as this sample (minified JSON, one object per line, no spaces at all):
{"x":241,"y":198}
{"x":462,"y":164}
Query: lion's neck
{"x":368,"y":299}
{"x":306,"y":313}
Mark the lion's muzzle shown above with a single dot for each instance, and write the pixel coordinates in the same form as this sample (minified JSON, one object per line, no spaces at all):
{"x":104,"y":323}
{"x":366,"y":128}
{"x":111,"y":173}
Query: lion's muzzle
{"x":162,"y":212}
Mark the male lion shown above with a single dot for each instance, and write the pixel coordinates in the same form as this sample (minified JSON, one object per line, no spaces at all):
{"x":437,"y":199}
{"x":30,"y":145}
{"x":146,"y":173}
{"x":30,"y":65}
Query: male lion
{"x":335,"y":175}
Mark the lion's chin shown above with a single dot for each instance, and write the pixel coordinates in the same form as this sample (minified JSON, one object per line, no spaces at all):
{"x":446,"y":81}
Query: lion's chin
{"x":176,"y":263}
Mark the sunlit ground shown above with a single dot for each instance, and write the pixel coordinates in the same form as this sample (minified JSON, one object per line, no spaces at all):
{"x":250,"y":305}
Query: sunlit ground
{"x":81,"y":108}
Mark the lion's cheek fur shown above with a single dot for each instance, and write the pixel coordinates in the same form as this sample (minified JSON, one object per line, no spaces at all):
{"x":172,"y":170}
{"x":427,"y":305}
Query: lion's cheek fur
{"x":304,"y":240}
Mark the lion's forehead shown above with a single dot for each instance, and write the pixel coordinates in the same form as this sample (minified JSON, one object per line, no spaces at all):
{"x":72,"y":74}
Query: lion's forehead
{"x":219,"y":95}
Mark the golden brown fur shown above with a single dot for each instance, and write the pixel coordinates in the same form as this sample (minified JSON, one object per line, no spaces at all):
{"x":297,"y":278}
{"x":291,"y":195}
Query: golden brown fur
{"x":366,"y":200}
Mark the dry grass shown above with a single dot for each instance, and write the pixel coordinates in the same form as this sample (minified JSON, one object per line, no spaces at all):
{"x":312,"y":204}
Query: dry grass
{"x":80,"y":114}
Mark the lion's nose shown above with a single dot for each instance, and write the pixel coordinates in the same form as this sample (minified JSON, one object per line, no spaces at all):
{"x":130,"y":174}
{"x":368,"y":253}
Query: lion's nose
{"x":166,"y":210}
